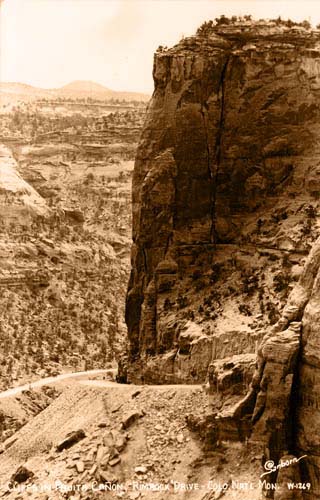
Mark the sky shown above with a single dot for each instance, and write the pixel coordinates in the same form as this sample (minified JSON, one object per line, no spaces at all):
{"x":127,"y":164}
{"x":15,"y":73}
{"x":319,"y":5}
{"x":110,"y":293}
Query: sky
{"x":49,"y":43}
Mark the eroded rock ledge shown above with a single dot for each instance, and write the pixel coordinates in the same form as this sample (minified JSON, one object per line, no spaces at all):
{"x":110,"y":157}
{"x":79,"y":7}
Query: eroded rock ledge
{"x":282,"y":406}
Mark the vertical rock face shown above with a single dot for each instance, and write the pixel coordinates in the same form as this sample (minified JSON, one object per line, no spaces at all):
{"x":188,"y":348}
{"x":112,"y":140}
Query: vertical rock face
{"x":225,"y":211}
{"x":227,"y":164}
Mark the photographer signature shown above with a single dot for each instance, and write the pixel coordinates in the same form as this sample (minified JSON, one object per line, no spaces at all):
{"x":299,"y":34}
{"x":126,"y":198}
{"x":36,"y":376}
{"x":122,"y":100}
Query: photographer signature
{"x":271,"y":467}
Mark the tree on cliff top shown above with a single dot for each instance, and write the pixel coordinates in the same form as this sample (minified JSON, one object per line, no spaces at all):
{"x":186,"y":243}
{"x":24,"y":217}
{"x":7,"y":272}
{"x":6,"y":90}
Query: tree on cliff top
{"x":290,"y":24}
{"x":208,"y":27}
{"x":205,"y":29}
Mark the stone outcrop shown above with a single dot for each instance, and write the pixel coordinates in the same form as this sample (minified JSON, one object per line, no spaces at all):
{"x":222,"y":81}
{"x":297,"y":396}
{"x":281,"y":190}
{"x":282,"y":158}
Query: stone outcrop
{"x":19,"y":201}
{"x":233,"y":374}
{"x":307,"y":407}
{"x":302,"y":419}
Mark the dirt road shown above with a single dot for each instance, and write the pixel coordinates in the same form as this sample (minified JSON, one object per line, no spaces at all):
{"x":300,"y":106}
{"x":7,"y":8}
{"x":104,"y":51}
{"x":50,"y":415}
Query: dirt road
{"x":52,"y":380}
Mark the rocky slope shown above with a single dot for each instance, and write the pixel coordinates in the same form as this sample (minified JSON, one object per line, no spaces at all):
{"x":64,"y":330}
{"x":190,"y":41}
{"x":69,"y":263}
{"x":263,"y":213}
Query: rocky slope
{"x":126,"y":442}
{"x":225,"y":225}
{"x":16,"y":411}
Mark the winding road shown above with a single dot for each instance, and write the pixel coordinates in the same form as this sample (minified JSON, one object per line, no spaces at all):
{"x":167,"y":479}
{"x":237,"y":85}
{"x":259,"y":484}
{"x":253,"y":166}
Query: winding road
{"x":84,"y":378}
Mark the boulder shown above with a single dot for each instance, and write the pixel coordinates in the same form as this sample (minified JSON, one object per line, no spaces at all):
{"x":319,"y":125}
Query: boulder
{"x":71,"y":439}
{"x":21,"y":475}
{"x":130,"y":418}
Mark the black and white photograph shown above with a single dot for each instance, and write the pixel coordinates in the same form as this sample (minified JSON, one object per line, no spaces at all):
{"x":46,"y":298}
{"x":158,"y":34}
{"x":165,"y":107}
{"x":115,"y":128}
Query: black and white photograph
{"x":160,"y":249}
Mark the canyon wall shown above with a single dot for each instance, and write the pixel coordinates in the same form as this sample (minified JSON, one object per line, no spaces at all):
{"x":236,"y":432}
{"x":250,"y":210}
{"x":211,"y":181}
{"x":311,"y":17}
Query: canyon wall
{"x":225,"y":257}
{"x":228,"y":166}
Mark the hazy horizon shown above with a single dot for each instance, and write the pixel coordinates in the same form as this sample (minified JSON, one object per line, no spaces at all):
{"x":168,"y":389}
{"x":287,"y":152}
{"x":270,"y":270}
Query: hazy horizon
{"x":68,"y":83}
{"x":50,"y":43}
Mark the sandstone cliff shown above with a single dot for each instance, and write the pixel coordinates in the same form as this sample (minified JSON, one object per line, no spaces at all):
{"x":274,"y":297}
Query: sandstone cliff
{"x":225,"y":187}
{"x":225,"y":213}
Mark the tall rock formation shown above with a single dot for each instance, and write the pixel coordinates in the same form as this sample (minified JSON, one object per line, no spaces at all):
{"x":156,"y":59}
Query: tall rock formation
{"x":231,"y":135}
{"x":225,"y":212}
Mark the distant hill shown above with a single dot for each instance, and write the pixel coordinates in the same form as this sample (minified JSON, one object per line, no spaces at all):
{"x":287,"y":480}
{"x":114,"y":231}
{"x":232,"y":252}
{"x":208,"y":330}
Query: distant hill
{"x":76,"y":89}
{"x":85,"y":86}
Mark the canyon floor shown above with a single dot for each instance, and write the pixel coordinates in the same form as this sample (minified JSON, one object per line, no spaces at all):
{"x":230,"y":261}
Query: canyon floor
{"x":65,"y":228}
